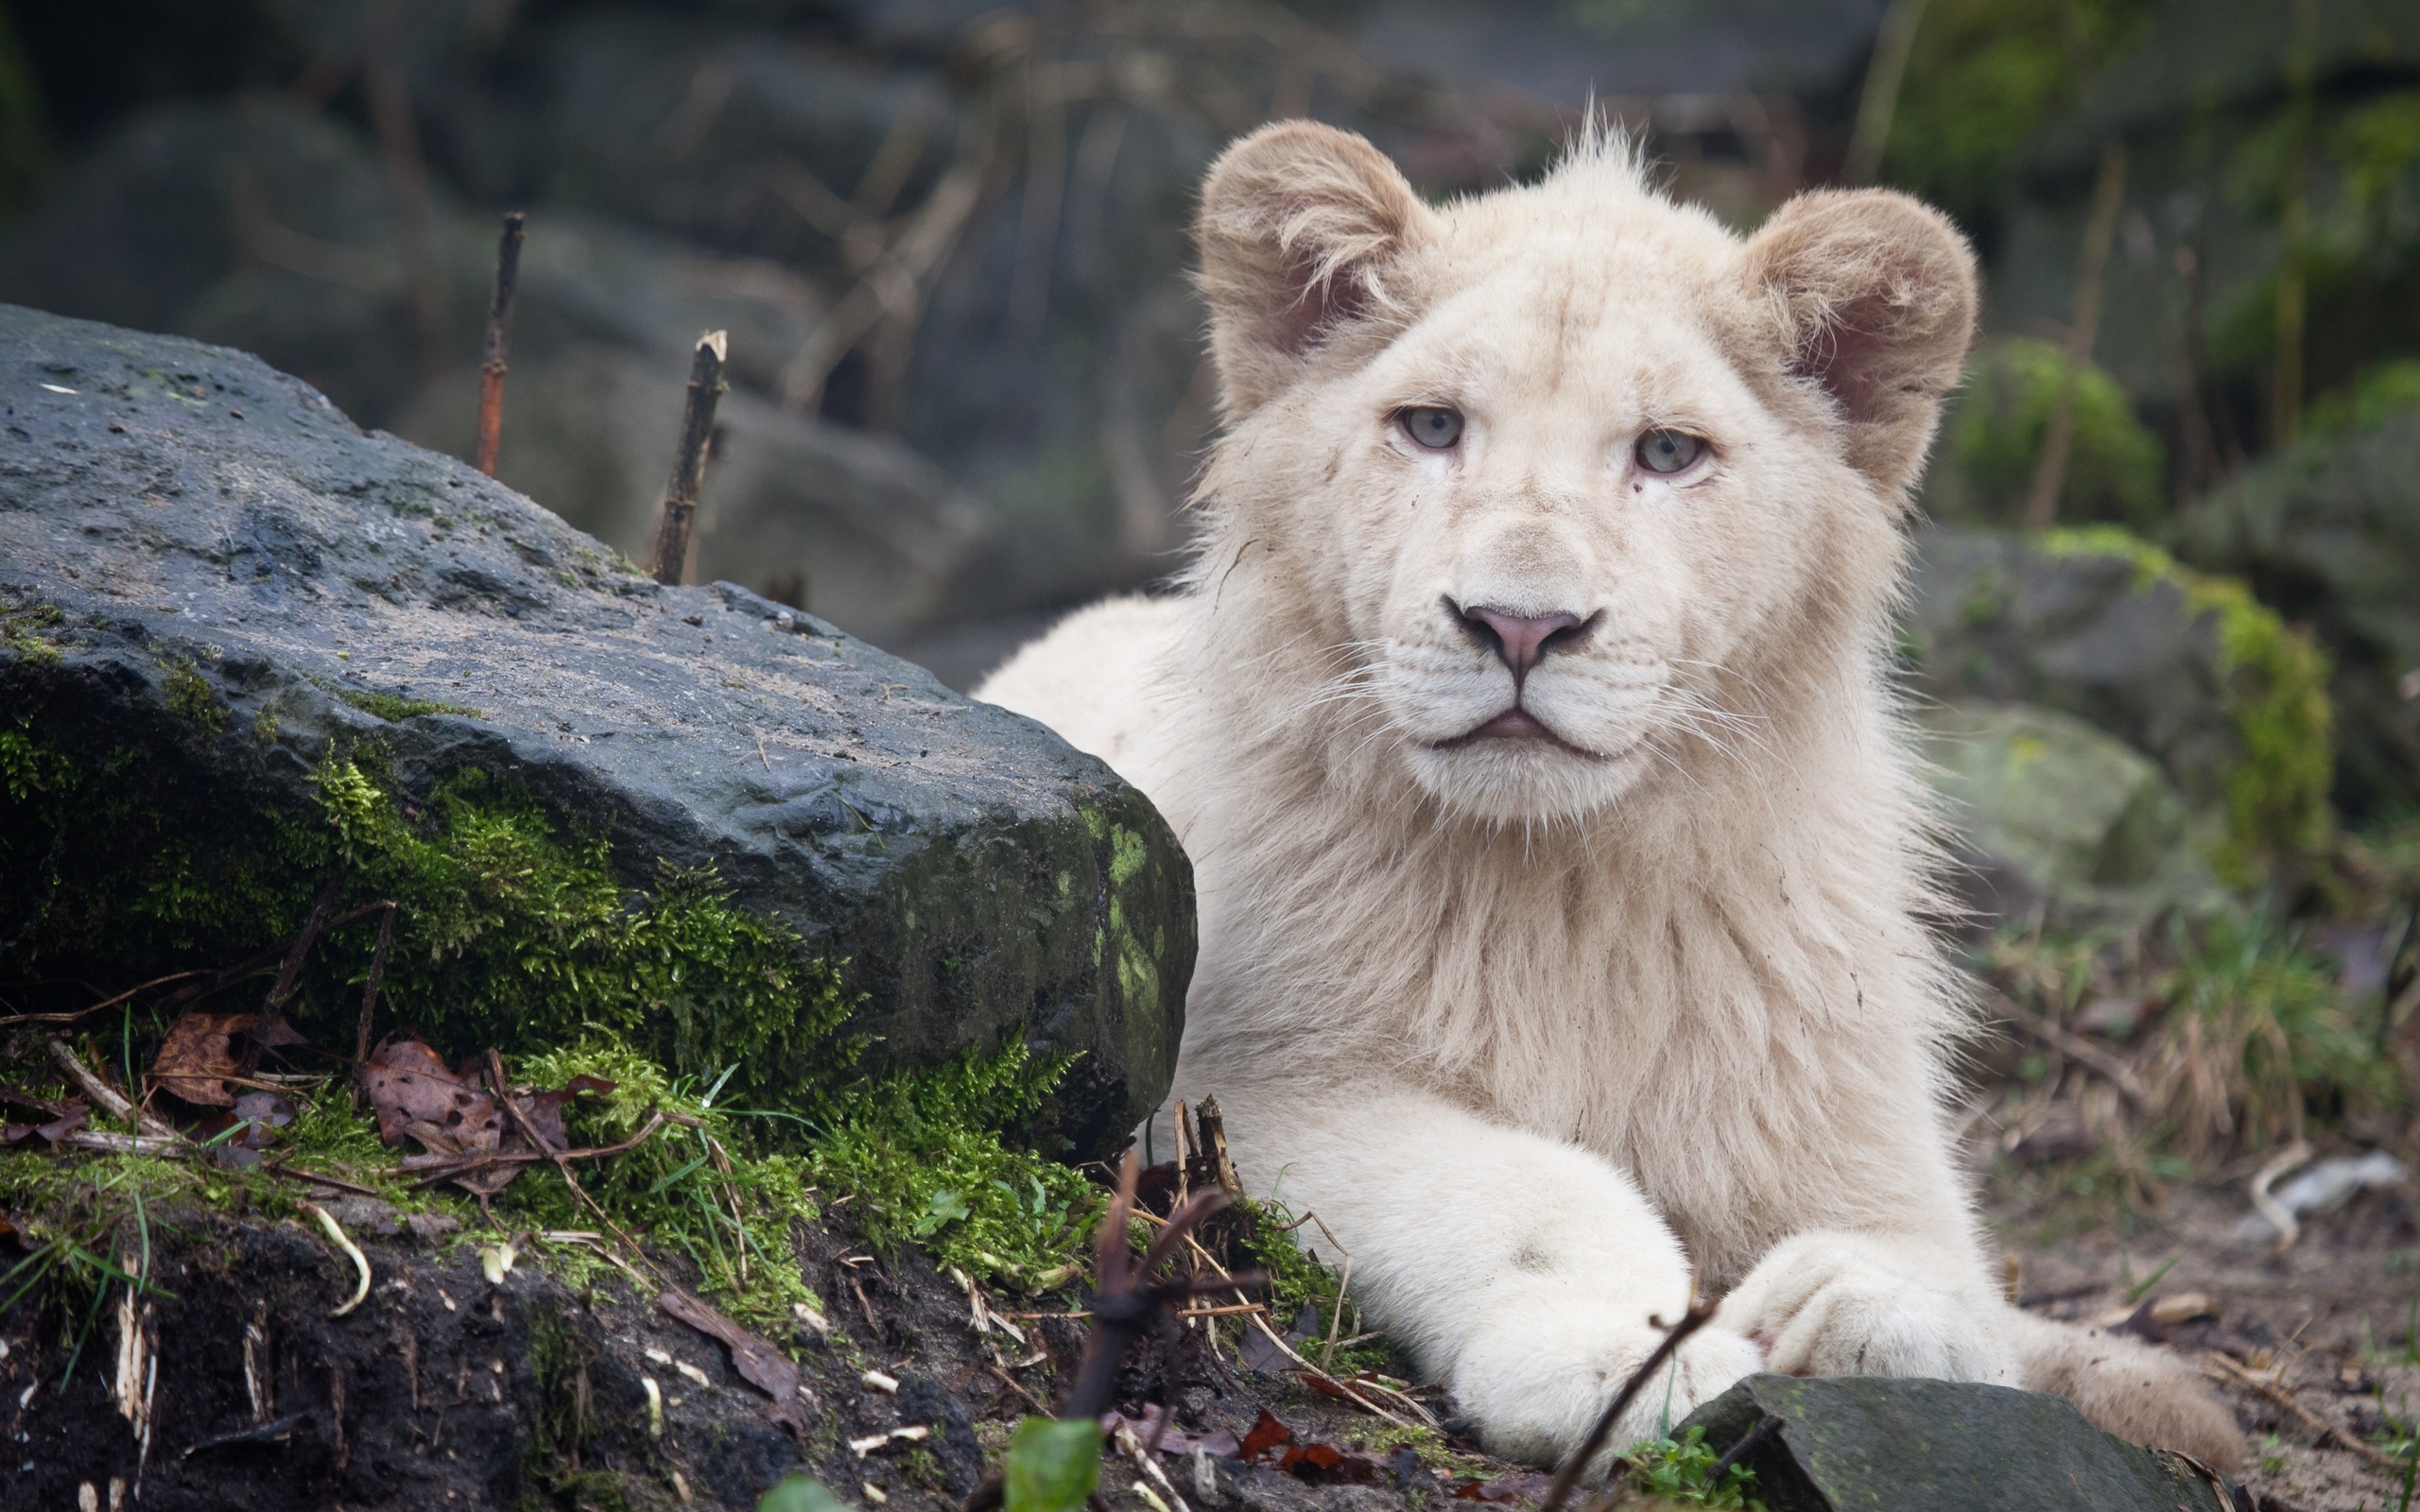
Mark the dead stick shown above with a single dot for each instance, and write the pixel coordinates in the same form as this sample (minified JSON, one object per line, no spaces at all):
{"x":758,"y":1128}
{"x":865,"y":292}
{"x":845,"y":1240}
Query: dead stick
{"x":689,"y":462}
{"x":1770,"y":1424}
{"x":508,"y":273}
{"x":106,"y":1002}
{"x":1698,"y":1315}
{"x":2321,"y":1428}
{"x":314,"y":923}
{"x":103,"y":1093}
{"x":369,"y":992}
{"x":2078,"y":1048}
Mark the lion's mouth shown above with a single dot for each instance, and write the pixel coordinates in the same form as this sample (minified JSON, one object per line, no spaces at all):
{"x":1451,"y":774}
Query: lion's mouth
{"x":1518,"y":726}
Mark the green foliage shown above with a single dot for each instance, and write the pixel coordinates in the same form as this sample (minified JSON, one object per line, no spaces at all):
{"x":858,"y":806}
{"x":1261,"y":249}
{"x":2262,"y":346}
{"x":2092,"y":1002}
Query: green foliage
{"x":1982,"y":77}
{"x":923,"y":1156}
{"x":2276,"y":702}
{"x":2379,"y":390}
{"x":393,"y":709}
{"x":24,"y":621}
{"x":700,"y":1185}
{"x":1272,"y":1236}
{"x":190,"y":696}
{"x":1679,"y":1470}
{"x":798,"y":1494}
{"x":2258,"y":1039}
{"x":2115,"y":466}
{"x":1053,"y":1464}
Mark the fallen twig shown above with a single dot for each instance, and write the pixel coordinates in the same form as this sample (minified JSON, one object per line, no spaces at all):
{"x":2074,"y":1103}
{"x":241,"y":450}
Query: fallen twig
{"x":103,"y":1095}
{"x":315,"y":1177}
{"x":2324,"y":1431}
{"x":351,"y":1250}
{"x":508,"y":273}
{"x":2076,"y":1048}
{"x":1699,"y":1313}
{"x":74,"y":1014}
{"x":689,"y":461}
{"x":443,"y":1168}
{"x":1770,"y":1424}
{"x":171,"y":1147}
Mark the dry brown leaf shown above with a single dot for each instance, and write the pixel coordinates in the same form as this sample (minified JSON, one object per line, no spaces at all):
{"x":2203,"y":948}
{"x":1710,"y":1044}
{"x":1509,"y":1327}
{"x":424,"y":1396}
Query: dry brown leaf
{"x":757,"y":1361}
{"x":203,"y":1049}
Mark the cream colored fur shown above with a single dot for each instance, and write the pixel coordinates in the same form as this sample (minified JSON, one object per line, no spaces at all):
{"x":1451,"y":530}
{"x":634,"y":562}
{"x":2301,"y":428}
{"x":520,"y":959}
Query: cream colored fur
{"x":1541,"y":1027}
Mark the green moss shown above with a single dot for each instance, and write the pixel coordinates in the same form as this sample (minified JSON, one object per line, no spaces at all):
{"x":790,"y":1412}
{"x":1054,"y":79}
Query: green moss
{"x":2275,"y":699}
{"x":190,"y":696}
{"x":2114,"y":464}
{"x":514,"y":932}
{"x":394,"y":709}
{"x":27,"y":628}
{"x":1274,"y":1238}
{"x":923,"y":1157}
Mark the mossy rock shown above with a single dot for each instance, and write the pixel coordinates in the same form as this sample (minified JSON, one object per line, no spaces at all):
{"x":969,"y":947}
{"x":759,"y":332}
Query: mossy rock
{"x":2329,"y":532}
{"x":248,"y":651}
{"x":2058,"y":818}
{"x":2187,"y":667}
{"x":1875,"y":1444}
{"x":2115,"y":466}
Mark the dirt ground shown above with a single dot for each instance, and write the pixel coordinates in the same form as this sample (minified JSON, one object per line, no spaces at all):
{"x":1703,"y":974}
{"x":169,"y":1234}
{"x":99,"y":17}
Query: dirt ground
{"x":2335,"y":1311}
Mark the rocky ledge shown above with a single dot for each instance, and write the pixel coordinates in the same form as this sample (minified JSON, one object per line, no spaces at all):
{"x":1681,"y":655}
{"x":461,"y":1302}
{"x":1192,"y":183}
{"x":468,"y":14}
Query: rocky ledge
{"x":215,"y":591}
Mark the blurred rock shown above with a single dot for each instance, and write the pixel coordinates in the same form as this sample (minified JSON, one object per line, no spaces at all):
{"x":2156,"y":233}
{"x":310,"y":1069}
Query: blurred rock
{"x":253,"y":224}
{"x":855,"y":528}
{"x":1942,"y":1445}
{"x":2329,"y":534}
{"x":2187,"y":668}
{"x":2057,"y":817}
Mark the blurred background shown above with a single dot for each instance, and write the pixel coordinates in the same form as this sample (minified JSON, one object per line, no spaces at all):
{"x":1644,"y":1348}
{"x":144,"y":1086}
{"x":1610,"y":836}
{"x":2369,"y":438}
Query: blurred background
{"x":2164,"y":638}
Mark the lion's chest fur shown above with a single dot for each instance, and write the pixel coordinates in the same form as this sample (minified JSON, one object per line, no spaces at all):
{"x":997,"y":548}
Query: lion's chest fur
{"x":1738,"y":1026}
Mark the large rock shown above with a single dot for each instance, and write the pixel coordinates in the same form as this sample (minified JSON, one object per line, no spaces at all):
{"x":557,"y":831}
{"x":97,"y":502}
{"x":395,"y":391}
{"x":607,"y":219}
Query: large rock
{"x":1875,"y":1444}
{"x":217,"y":590}
{"x":2329,"y":532}
{"x":2187,"y":668}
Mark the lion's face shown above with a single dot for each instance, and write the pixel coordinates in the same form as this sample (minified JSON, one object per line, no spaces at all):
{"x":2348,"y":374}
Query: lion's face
{"x":1552,"y":483}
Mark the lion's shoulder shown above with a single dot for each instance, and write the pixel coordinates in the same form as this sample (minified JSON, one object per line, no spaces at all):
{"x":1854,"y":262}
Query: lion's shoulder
{"x":1099,"y":678}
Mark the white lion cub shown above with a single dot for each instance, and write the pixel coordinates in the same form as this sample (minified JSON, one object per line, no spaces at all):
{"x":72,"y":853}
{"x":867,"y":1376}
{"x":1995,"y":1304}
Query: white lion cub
{"x":1560,"y":863}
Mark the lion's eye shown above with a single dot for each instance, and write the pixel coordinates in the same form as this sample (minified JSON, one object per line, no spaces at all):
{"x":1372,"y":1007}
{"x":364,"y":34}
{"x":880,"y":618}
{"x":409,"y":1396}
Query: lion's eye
{"x":1432,"y":426}
{"x":1668,"y":451}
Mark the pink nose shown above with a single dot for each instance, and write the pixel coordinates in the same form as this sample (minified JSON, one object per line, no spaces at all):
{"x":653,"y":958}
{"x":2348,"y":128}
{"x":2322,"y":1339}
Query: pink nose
{"x":1522,"y":641}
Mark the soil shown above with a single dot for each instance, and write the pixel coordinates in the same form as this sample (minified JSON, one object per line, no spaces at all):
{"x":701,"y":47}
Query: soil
{"x":2336,"y":1311}
{"x":445,"y":1391}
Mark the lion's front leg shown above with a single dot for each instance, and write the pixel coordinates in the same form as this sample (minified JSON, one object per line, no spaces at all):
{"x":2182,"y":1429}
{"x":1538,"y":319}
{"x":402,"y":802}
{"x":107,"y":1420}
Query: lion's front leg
{"x":1523,"y":1273}
{"x":1828,"y":1302}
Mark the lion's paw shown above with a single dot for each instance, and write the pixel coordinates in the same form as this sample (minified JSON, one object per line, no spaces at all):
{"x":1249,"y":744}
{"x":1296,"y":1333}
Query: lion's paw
{"x":1838,"y":1305}
{"x":1532,"y":1384}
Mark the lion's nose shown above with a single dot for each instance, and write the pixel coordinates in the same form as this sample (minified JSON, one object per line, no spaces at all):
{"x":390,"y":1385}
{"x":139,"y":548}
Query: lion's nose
{"x":1522,"y":640}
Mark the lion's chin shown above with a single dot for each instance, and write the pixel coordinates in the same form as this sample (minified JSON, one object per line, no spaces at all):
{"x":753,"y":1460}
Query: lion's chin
{"x":1525,"y":778}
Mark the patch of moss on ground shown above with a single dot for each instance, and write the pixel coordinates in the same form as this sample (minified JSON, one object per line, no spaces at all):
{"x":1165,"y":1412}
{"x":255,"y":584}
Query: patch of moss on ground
{"x":923,"y":1158}
{"x":2275,"y":699}
{"x":1274,"y":1238}
{"x":394,"y":709}
{"x":513,"y":933}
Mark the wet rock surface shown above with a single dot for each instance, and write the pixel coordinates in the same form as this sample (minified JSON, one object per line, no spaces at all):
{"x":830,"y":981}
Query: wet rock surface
{"x":243,"y":582}
{"x":1870,"y":1444}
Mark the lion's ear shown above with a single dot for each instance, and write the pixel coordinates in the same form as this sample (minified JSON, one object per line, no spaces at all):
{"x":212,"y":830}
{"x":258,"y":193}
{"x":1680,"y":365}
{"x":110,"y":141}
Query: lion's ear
{"x":1875,"y":297}
{"x":1298,"y":228}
